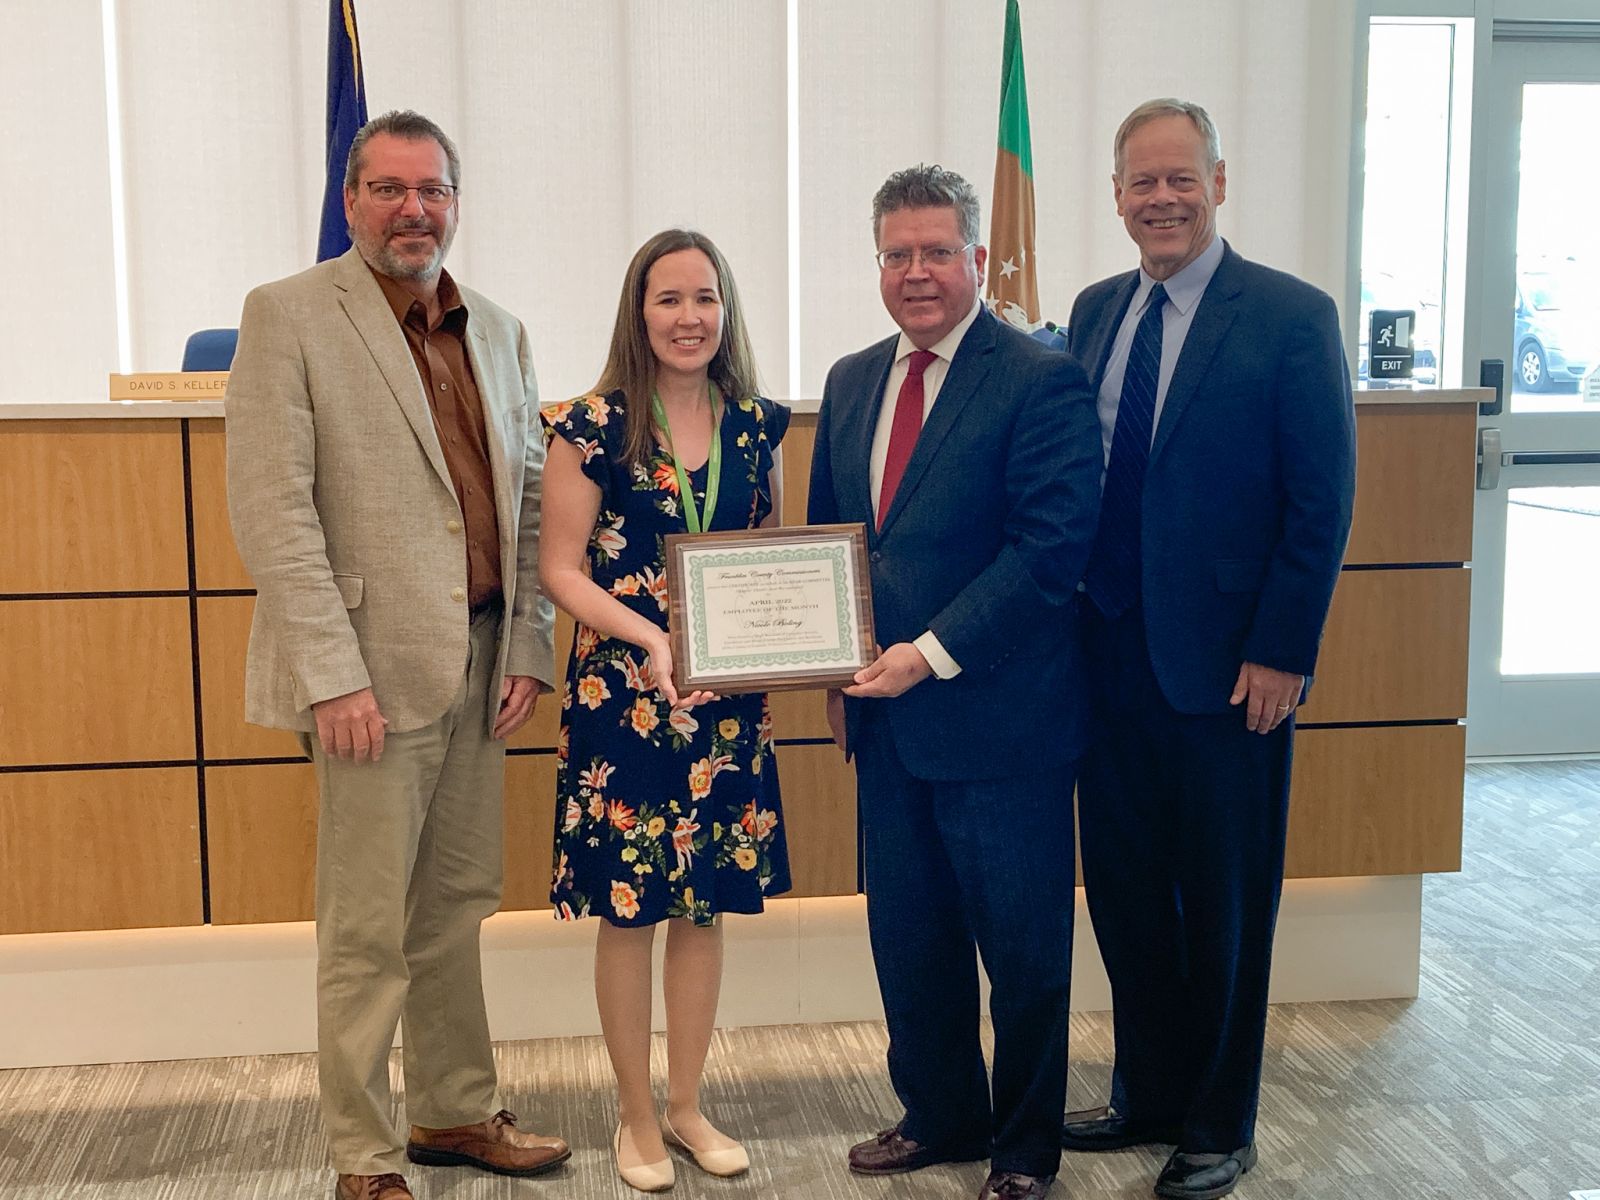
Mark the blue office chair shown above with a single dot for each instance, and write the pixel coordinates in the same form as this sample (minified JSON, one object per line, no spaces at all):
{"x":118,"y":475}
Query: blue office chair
{"x":210,"y":350}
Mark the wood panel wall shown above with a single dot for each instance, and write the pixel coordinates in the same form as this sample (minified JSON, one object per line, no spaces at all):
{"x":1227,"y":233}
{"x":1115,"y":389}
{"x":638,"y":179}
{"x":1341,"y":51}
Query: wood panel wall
{"x":133,"y":793}
{"x":99,"y":822}
{"x":1380,"y":752}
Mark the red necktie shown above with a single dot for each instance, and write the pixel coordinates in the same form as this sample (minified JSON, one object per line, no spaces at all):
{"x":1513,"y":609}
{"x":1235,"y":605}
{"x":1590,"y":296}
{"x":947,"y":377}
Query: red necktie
{"x":903,"y":432}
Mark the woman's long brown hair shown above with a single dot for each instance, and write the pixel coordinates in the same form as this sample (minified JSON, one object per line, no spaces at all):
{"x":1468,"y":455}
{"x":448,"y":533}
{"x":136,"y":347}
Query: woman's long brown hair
{"x":631,"y":364}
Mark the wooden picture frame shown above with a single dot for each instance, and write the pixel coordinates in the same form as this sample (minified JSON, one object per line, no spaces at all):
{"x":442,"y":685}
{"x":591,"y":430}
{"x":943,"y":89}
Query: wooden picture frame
{"x":769,"y":610}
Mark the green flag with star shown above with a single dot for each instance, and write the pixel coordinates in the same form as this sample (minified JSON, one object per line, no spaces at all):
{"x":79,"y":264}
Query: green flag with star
{"x":1013,"y":286}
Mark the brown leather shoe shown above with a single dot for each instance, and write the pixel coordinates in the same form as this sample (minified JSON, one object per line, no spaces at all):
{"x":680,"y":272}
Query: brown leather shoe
{"x":495,"y":1145}
{"x":371,"y":1187}
{"x":892,"y":1153}
{"x":1013,"y":1185}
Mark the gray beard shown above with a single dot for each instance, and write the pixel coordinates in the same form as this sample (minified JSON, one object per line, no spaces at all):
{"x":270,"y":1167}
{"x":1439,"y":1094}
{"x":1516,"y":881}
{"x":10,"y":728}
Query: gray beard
{"x":385,"y":261}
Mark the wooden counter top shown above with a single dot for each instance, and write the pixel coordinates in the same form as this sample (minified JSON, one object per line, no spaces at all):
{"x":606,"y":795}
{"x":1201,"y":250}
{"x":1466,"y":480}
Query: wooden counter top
{"x":144,"y":409}
{"x":86,"y":410}
{"x":1472,"y":395}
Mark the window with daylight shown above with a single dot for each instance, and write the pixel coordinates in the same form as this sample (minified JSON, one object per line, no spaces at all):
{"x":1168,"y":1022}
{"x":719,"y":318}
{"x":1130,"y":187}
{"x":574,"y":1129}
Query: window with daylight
{"x":1413,"y":204}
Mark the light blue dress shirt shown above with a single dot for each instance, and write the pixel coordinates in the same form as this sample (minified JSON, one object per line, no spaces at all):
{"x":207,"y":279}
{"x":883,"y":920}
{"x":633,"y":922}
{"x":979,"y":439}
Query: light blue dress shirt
{"x":1183,"y":297}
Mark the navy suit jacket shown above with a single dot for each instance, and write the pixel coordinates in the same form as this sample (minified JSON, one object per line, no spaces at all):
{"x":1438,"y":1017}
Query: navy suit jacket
{"x":1251,"y":481}
{"x":984,"y":544}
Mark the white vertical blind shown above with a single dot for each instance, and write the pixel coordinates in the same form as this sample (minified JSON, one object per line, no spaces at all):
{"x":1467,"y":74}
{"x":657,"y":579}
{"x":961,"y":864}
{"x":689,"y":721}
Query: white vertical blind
{"x":584,"y":128}
{"x":587,"y":125}
{"x":58,"y":318}
{"x":891,"y":84}
{"x":221,"y":135}
{"x":884,"y":86}
{"x":709,"y":124}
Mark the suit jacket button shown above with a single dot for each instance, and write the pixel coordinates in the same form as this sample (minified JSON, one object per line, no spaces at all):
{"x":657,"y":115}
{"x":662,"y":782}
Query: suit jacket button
{"x":453,"y":525}
{"x":458,"y":594}
{"x":877,"y":556}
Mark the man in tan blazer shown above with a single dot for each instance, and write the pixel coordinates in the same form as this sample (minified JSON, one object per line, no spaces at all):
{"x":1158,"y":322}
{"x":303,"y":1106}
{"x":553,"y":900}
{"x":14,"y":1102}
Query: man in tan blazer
{"x":384,"y":490}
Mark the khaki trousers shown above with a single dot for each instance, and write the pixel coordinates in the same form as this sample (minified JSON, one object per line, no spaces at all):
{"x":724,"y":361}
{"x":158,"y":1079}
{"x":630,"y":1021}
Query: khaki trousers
{"x":408,"y":866}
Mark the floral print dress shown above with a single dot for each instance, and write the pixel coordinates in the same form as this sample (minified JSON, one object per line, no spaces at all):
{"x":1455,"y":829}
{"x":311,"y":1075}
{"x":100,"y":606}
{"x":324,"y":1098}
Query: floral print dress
{"x":661,"y":813}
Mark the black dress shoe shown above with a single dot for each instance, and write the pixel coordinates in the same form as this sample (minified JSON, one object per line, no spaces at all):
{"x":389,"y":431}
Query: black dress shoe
{"x":1095,"y":1129}
{"x":1013,"y":1185}
{"x":1203,"y":1176}
{"x":892,"y":1153}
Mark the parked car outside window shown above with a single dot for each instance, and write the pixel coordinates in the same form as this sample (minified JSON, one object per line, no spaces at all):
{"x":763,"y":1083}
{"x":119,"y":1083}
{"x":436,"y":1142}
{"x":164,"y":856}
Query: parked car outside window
{"x":1557,"y":330}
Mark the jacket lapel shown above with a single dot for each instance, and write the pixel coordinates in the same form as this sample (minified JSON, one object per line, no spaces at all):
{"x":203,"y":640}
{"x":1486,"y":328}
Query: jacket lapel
{"x":1212,"y":320}
{"x":373,"y":319}
{"x":1098,"y":351}
{"x":505,"y":463}
{"x":967,"y":371}
{"x":858,"y":431}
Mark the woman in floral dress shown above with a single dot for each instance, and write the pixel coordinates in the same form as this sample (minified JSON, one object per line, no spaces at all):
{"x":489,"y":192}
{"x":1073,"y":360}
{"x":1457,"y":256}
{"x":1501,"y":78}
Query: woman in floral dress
{"x":666,"y":805}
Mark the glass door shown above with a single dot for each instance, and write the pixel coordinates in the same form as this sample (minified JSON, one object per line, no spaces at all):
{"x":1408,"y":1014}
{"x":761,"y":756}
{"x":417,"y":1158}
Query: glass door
{"x":1535,"y":674}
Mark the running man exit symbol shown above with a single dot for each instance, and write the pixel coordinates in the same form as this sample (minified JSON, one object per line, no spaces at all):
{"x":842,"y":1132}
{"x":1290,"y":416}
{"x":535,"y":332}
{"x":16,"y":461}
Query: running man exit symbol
{"x":1389,"y":340}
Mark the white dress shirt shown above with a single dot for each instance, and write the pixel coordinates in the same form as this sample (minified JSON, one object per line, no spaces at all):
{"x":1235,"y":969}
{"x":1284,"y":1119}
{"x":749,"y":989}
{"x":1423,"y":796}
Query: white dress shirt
{"x":933,"y":376}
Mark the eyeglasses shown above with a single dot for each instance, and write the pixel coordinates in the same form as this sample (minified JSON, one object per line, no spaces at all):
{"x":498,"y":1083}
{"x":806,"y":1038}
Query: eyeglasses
{"x":434,"y":196}
{"x":900,"y":258}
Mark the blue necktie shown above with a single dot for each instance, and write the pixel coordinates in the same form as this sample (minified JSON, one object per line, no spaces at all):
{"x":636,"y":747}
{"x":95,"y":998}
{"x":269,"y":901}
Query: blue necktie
{"x":1112,"y":577}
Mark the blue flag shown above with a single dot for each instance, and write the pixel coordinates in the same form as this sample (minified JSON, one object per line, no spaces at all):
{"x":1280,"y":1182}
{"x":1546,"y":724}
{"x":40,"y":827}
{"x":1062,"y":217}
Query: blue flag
{"x":347,"y":112}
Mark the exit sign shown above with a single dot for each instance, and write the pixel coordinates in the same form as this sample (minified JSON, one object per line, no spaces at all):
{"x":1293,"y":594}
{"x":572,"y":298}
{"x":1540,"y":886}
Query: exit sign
{"x":1390,"y":355}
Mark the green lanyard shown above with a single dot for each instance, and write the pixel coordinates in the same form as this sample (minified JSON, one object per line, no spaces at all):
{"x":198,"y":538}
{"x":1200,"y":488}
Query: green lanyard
{"x":691,"y":515}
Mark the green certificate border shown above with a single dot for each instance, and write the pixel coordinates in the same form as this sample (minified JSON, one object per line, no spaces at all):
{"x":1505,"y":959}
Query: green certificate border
{"x":704,"y":662}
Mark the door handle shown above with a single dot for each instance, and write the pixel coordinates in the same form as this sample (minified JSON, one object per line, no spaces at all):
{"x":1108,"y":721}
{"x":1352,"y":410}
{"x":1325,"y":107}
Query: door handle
{"x":1549,"y":458}
{"x":1489,"y":457}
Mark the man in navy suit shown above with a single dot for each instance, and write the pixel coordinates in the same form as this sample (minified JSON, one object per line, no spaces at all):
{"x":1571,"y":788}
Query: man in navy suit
{"x":1228,"y":430}
{"x":971,"y":454}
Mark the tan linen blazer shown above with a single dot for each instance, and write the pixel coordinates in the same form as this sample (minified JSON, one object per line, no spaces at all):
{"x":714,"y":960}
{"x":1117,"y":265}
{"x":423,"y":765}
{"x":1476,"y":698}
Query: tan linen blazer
{"x":343,"y":509}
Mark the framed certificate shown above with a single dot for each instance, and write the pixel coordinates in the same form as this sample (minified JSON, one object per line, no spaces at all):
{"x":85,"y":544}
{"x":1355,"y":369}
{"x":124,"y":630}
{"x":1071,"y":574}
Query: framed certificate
{"x":766,"y":610}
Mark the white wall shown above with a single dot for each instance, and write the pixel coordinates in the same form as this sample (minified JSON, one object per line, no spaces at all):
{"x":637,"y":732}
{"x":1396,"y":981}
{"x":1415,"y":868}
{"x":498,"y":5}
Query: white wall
{"x":586,"y":125}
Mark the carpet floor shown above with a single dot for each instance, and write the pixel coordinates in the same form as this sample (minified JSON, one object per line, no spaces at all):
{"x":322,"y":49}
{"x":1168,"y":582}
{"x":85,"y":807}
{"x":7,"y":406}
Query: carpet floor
{"x":1486,"y":1086}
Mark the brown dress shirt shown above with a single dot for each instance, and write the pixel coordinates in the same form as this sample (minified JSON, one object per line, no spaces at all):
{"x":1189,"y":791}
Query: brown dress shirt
{"x":440,"y":353}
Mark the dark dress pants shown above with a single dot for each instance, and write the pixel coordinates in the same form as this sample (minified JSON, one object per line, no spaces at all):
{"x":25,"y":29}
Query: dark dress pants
{"x":953,"y":868}
{"x":1183,"y":820}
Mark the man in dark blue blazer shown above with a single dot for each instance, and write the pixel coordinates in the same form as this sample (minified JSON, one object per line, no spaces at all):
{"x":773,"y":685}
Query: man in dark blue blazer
{"x":971,"y":453}
{"x":1228,"y":434}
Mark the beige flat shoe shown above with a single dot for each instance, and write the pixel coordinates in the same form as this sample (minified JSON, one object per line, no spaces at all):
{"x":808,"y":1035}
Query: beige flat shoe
{"x":722,"y":1163}
{"x":645,"y":1177}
